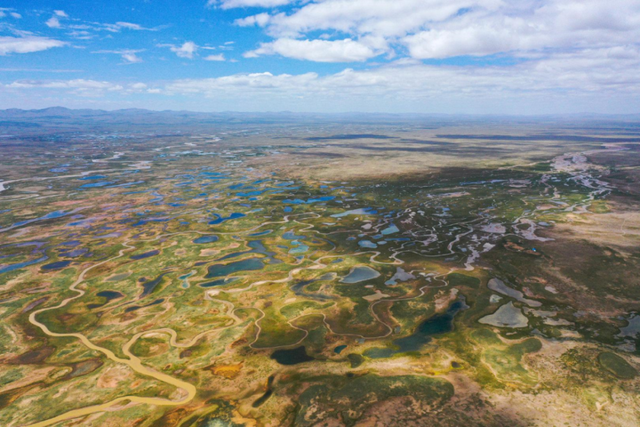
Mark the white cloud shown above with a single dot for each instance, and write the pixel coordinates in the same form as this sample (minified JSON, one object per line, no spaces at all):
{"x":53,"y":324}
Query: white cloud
{"x":477,"y":40}
{"x":119,"y":26}
{"x":27,"y":44}
{"x":256,"y":82}
{"x":65,"y":84}
{"x":129,"y":26}
{"x":388,"y":18}
{"x":86,"y":26}
{"x":186,"y":50}
{"x":346,"y":50}
{"x":128,"y":55}
{"x":593,"y":75}
{"x":581,"y":73}
{"x":552,"y":48}
{"x":53,"y":22}
{"x":131,"y":58}
{"x":219,"y":57}
{"x":446,"y":28}
{"x":137,"y":87}
{"x":261,"y":20}
{"x":4,"y":11}
{"x":229,"y":4}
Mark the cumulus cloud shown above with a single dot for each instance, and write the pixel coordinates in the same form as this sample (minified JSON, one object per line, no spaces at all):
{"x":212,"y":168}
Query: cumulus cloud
{"x":131,"y":57}
{"x":547,"y":47}
{"x":186,"y":50}
{"x":261,"y":20}
{"x":346,"y":50}
{"x":53,"y":22}
{"x":241,"y":82}
{"x":428,"y":29}
{"x":388,"y":18}
{"x":578,"y":75}
{"x":27,"y":44}
{"x":584,"y":72}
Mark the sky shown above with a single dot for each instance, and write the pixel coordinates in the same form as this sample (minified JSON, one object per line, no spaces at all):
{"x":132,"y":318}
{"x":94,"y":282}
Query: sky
{"x":395,"y":56}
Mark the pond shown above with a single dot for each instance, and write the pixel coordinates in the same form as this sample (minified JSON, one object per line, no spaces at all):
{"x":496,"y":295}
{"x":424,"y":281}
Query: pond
{"x":362,"y":211}
{"x":309,"y":201}
{"x":219,"y":282}
{"x":56,"y":265}
{"x":291,"y":357}
{"x":339,"y":349}
{"x":109,"y":295}
{"x":12,"y":267}
{"x":218,"y":270}
{"x":262,"y":233}
{"x":219,"y":219}
{"x":390,"y":230}
{"x":206,"y":239}
{"x":151,"y":285}
{"x":507,"y":316}
{"x":97,"y":184}
{"x":145,"y":255}
{"x":436,"y":325}
{"x":367,"y":244}
{"x":360,"y":274}
{"x":499,"y":286}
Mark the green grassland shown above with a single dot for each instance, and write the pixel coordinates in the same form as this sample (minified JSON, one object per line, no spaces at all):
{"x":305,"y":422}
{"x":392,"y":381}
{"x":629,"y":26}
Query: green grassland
{"x":343,"y":258}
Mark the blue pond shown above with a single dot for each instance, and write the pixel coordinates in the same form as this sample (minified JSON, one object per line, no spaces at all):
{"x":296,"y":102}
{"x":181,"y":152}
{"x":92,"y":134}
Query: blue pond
{"x":145,"y":255}
{"x":109,"y":295}
{"x":308,"y":201}
{"x":97,"y":184}
{"x":360,"y":274}
{"x":206,"y":239}
{"x":262,"y":233}
{"x":219,"y":219}
{"x":56,"y":265}
{"x":19,"y":265}
{"x":218,"y":270}
{"x":219,"y":282}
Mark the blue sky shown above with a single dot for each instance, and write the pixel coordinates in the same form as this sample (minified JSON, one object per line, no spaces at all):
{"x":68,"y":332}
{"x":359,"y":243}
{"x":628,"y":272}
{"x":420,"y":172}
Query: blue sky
{"x":426,"y":56}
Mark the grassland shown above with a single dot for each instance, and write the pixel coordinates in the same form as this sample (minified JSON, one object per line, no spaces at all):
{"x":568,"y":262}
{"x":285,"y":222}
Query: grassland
{"x":222,"y":274}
